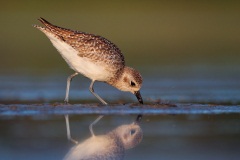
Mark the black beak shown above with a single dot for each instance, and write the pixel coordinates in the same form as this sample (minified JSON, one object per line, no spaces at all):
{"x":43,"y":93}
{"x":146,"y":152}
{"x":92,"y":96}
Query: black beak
{"x":139,"y":118}
{"x":139,"y":97}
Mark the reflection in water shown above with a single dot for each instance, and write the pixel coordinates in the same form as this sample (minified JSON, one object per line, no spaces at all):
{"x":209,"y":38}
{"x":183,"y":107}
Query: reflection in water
{"x":110,"y":146}
{"x":188,"y":136}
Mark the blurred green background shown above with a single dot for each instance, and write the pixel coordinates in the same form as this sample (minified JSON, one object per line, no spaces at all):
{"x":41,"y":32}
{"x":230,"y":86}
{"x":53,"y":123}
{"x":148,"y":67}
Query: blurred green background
{"x":151,"y":34}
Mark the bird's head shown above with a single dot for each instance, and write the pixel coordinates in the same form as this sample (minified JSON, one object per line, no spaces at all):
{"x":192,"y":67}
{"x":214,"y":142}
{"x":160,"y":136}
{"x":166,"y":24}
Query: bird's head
{"x":130,"y":81}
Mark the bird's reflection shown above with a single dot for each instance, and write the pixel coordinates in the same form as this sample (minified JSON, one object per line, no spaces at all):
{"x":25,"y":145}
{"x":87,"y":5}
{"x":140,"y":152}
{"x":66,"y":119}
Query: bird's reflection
{"x":110,"y":146}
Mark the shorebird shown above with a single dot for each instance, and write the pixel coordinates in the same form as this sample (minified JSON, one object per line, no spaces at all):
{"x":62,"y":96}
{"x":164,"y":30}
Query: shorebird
{"x":110,"y":146}
{"x":94,"y":57}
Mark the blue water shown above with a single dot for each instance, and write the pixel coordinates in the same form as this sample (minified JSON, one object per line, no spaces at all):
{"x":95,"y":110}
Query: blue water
{"x":185,"y":117}
{"x":187,"y":88}
{"x":165,"y":136}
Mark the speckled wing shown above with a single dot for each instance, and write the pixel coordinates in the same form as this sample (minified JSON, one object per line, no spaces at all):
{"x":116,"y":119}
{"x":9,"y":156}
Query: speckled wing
{"x":93,"y":47}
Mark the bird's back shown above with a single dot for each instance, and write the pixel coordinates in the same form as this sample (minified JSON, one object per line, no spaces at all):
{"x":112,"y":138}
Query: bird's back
{"x":96,"y":48}
{"x":93,"y":56}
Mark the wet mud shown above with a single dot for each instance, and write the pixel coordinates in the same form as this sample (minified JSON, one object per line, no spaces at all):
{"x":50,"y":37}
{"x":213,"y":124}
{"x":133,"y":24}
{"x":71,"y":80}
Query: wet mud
{"x":117,"y":109}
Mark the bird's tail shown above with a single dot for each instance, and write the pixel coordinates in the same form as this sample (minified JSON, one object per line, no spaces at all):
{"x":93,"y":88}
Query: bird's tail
{"x":53,"y":28}
{"x":46,"y":23}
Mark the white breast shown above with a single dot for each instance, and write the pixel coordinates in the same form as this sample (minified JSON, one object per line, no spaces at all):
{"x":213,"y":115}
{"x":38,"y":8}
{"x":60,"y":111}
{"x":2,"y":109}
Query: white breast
{"x":77,"y":63}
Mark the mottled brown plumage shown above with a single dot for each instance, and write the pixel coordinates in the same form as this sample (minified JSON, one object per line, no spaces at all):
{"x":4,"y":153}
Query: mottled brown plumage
{"x":93,"y":56}
{"x":96,"y":48}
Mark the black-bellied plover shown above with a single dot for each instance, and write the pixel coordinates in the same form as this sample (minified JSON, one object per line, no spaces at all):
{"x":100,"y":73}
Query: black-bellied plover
{"x":110,"y":146}
{"x":94,"y":57}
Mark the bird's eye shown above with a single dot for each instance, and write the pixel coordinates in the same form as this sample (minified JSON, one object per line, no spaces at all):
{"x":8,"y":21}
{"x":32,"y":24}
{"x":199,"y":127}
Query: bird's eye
{"x":132,"y":83}
{"x":132,"y":131}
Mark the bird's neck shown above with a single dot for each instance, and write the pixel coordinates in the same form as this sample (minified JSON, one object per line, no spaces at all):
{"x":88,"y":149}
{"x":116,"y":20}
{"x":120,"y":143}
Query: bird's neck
{"x":116,"y":80}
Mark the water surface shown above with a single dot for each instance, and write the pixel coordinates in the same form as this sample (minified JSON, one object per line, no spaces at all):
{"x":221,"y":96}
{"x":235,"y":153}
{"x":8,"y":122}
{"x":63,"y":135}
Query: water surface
{"x":184,"y":118}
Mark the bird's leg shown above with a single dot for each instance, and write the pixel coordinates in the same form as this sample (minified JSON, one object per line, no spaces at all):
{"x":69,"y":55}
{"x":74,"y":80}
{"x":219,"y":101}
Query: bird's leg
{"x":68,"y":130}
{"x":96,"y":95}
{"x":93,"y":123}
{"x":69,"y":79}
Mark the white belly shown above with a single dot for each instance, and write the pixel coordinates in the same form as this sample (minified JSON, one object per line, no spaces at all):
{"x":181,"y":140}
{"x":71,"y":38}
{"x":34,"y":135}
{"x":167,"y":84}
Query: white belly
{"x":77,"y":63}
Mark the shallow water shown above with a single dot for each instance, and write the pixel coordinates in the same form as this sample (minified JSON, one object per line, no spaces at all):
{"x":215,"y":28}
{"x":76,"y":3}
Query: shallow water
{"x":181,"y":86}
{"x":189,"y":117}
{"x":164,"y":136}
